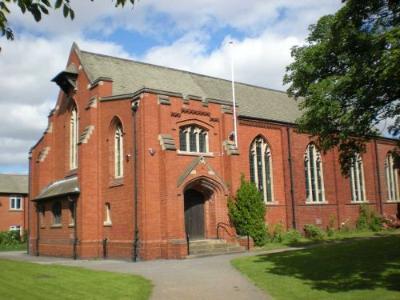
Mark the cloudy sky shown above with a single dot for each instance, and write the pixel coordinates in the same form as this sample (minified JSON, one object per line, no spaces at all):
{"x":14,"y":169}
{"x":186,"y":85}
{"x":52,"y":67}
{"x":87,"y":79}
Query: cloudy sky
{"x":191,"y":35}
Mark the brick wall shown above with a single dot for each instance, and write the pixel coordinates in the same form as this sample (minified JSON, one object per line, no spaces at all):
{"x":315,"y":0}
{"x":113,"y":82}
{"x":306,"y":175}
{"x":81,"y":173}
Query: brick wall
{"x":10,"y":217}
{"x":165,"y":175}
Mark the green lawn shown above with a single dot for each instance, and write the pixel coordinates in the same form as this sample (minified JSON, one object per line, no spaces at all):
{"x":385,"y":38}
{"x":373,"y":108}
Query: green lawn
{"x":355,"y":269}
{"x":22,"y":280}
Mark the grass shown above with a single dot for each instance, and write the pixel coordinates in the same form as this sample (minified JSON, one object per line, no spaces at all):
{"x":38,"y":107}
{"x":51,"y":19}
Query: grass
{"x":356,"y":269}
{"x":337,"y":236}
{"x":17,"y":247}
{"x":22,"y":280}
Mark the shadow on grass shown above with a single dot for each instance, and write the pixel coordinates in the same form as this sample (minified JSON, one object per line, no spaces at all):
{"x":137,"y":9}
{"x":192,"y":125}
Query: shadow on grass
{"x":338,"y":267}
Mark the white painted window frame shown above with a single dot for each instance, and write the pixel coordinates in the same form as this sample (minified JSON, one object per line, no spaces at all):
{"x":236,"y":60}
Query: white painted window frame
{"x":357,"y":186}
{"x":197,"y":131}
{"x":73,"y":139}
{"x":107,"y":214}
{"x":312,"y":165}
{"x":392,"y":179}
{"x":118,"y":152}
{"x":265,"y":150}
{"x":13,"y":202}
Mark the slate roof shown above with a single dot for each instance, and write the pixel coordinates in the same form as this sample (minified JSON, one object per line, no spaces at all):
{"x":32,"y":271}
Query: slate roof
{"x":13,"y":184}
{"x":130,"y":76}
{"x":60,"y":188}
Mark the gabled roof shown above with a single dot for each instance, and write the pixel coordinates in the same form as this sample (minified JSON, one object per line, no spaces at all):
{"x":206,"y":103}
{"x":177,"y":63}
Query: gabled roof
{"x":13,"y":184}
{"x":129,"y":76}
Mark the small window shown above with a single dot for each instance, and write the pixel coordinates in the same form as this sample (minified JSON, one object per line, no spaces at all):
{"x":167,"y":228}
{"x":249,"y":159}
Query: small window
{"x":15,"y":228}
{"x":41,"y":215}
{"x":392,"y":179}
{"x":72,"y":213}
{"x":357,"y":179}
{"x":118,"y":152}
{"x":314,"y":175}
{"x":16,"y":203}
{"x":193,"y":139}
{"x":107,"y":214}
{"x":56,"y":209}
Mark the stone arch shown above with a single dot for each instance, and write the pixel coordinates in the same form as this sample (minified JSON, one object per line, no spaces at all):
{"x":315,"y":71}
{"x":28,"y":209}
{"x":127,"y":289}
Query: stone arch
{"x":205,"y":203}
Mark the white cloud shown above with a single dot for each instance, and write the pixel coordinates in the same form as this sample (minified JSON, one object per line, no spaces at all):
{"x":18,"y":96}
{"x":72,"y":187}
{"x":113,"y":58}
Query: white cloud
{"x":41,"y":50}
{"x":260,"y":60}
{"x":27,"y":65}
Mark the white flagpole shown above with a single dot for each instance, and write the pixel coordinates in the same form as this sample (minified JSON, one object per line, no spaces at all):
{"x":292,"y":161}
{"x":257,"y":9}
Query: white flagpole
{"x":233,"y":94}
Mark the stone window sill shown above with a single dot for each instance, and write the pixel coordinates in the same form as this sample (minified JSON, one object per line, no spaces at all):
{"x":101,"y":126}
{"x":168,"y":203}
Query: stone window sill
{"x":187,"y":153}
{"x":72,"y":172}
{"x":359,"y":202}
{"x":117,"y":182}
{"x":56,"y":226}
{"x":392,"y":201}
{"x":15,"y":210}
{"x":316,"y":203}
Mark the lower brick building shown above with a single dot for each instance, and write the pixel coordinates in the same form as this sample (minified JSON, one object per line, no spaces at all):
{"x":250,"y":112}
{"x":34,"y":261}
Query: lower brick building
{"x":138,"y":159}
{"x":13,"y":202}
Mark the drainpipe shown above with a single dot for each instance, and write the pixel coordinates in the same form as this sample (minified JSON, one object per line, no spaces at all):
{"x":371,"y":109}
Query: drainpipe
{"x":75,"y":245}
{"x":291,"y":178}
{"x":135,"y":106}
{"x":37,"y":229}
{"x":28,"y":199}
{"x":379,"y":177}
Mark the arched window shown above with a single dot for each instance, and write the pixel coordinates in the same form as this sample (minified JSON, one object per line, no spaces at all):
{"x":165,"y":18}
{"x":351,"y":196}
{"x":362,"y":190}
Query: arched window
{"x":118,"y":152}
{"x":357,"y":179}
{"x":193,"y":139}
{"x":56,"y":210}
{"x":314,"y":175}
{"x":392,"y":178}
{"x":261,"y":168}
{"x":73,"y":139}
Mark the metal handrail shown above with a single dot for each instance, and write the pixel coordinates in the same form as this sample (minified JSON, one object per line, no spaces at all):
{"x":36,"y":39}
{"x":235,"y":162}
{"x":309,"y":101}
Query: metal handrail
{"x":224,"y":226}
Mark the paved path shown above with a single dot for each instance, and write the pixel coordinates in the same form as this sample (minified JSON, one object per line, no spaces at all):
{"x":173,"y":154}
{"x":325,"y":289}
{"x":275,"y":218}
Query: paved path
{"x":210,"y":278}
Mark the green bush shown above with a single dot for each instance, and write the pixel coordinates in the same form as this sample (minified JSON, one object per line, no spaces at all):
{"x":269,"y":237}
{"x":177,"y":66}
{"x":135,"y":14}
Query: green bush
{"x":277,"y":233}
{"x":368,"y":219}
{"x":292,"y":236}
{"x":10,"y":238}
{"x":330,"y":229}
{"x":247,"y":212}
{"x":314,"y":232}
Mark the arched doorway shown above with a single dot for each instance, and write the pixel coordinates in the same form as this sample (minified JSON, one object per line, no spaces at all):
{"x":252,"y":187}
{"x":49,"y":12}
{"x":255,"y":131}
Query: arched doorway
{"x":194,"y":214}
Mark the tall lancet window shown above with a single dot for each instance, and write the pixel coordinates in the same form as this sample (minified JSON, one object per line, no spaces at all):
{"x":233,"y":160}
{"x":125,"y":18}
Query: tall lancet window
{"x":118,"y":152}
{"x":357,"y":179}
{"x":261,"y":168}
{"x":314,"y":175}
{"x":73,"y":139}
{"x":392,"y":179}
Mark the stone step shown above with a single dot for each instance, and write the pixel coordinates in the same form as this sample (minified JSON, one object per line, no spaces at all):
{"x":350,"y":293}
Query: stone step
{"x":200,"y":248}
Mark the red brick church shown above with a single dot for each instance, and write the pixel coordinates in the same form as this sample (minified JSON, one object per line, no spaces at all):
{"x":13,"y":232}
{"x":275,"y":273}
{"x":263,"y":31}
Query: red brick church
{"x":138,"y":159}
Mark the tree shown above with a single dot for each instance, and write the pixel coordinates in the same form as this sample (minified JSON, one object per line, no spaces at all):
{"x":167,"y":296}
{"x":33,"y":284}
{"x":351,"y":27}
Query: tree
{"x":247,"y":212}
{"x":346,"y":77}
{"x":38,"y":8}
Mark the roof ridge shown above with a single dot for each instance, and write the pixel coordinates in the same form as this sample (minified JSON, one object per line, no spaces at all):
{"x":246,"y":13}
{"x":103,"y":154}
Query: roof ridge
{"x":182,"y":71}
